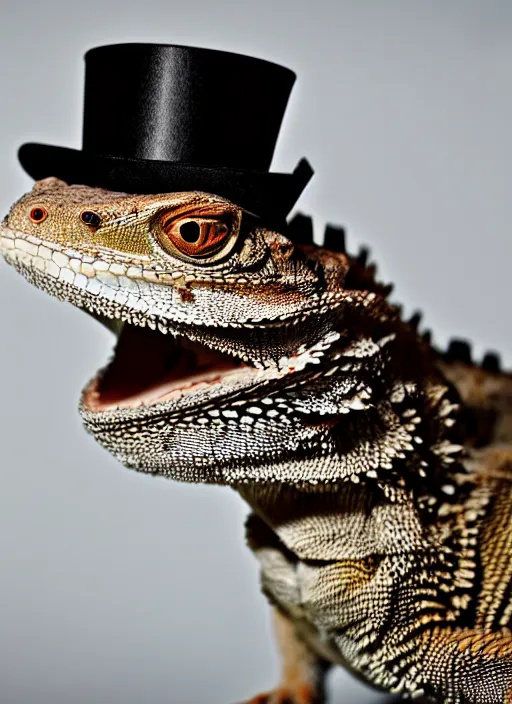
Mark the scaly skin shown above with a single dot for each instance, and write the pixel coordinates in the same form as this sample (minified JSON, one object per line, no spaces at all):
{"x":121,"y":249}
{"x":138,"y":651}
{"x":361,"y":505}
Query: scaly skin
{"x":377,"y":470}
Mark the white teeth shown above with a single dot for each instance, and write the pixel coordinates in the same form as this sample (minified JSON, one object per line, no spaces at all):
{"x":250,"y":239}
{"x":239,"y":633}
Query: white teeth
{"x":60,"y":259}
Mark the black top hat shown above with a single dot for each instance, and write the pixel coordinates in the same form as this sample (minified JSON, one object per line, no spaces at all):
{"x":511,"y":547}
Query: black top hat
{"x":161,"y":118}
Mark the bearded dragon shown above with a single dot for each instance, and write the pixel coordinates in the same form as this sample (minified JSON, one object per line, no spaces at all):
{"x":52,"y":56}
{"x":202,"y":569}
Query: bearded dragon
{"x":378,"y":470}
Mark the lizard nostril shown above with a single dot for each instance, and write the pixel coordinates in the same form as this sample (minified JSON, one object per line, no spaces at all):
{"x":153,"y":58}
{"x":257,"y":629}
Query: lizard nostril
{"x":38,"y":214}
{"x":90,"y":218}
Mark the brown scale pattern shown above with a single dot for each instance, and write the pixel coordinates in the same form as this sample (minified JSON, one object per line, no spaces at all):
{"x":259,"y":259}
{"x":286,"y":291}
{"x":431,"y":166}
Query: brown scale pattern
{"x":495,"y":599}
{"x":378,"y":470}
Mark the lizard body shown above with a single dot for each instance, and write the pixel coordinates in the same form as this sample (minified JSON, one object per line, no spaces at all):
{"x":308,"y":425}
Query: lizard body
{"x":377,"y":470}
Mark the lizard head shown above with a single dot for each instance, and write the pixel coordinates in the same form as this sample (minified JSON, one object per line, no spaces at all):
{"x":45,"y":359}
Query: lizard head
{"x":221,"y":323}
{"x":241,"y":354}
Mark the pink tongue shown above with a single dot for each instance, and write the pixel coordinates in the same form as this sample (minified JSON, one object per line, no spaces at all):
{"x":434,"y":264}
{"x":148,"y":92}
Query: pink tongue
{"x":148,"y":364}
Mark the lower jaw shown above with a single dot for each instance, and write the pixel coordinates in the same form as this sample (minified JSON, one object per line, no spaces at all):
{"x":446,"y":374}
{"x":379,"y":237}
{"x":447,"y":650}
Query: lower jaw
{"x":150,"y":368}
{"x":95,"y":400}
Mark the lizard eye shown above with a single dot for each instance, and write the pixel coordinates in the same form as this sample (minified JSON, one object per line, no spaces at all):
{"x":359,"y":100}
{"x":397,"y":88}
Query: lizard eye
{"x":90,"y":218}
{"x":38,"y":214}
{"x":201,"y":236}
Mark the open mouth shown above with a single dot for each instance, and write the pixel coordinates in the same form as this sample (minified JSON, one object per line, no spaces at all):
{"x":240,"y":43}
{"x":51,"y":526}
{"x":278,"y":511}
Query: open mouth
{"x":163,"y":359}
{"x":150,"y":367}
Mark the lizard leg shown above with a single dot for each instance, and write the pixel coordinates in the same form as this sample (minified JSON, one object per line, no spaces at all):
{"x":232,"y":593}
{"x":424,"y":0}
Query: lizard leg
{"x":303,"y":671}
{"x":467,"y":666}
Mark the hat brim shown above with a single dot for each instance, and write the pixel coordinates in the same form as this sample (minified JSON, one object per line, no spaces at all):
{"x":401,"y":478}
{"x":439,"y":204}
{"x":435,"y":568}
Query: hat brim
{"x":267,"y":194}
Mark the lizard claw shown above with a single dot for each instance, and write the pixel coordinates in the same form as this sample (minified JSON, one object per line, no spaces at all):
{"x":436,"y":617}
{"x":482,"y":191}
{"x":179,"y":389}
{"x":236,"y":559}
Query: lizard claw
{"x":284,"y":695}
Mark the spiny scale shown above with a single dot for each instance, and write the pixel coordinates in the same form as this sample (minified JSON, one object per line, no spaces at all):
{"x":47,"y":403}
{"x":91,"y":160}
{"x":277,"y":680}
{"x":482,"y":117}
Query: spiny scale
{"x":491,"y":362}
{"x":362,"y":256}
{"x":334,"y":239}
{"x":427,"y":336}
{"x":458,"y":351}
{"x":300,"y":229}
{"x":415,"y":319}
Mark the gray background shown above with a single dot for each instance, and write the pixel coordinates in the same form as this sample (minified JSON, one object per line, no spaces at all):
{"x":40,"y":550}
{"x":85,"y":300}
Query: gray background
{"x":119,"y":587}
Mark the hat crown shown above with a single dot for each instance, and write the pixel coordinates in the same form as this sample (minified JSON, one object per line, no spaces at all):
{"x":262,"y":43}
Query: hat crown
{"x":163,"y":117}
{"x":183,"y":104}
